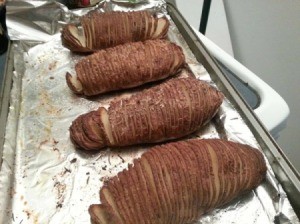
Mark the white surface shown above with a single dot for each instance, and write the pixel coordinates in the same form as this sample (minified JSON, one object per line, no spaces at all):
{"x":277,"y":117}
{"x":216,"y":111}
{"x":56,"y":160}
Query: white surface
{"x":217,"y":27}
{"x":218,"y":32}
{"x":266,"y":39}
{"x":274,"y":122}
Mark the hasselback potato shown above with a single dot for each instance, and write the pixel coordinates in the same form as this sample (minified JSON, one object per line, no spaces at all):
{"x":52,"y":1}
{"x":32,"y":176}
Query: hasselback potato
{"x":126,"y":66}
{"x":108,"y":29}
{"x":169,"y":110}
{"x":178,"y":182}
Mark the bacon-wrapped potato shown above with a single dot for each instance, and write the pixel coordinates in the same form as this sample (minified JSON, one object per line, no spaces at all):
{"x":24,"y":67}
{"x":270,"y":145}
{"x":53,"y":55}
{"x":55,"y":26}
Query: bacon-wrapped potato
{"x":126,"y":66}
{"x":103,"y":30}
{"x":170,"y":110}
{"x":179,"y":182}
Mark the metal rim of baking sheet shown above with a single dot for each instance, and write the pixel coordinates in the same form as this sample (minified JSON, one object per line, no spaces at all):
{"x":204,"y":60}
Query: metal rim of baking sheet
{"x":5,"y":95}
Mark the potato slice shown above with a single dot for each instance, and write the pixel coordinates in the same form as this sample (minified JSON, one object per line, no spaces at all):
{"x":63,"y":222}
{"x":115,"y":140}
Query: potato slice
{"x":74,"y":84}
{"x":99,"y":214}
{"x":161,"y":29}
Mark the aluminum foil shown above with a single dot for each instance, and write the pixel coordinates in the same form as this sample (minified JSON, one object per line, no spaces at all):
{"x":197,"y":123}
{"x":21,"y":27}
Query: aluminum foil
{"x":43,"y":178}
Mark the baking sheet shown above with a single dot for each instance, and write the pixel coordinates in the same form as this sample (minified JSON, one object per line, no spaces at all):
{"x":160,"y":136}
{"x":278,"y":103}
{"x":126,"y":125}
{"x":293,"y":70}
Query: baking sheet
{"x":44,"y":179}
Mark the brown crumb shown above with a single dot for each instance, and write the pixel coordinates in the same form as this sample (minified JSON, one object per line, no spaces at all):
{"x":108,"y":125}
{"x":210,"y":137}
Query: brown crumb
{"x":73,"y":160}
{"x":123,"y":161}
{"x":52,"y":65}
{"x":27,"y":213}
{"x":67,"y":170}
{"x":104,"y":179}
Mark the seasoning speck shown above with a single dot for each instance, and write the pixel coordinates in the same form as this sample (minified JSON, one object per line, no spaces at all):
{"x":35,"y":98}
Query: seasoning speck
{"x":67,"y":170}
{"x":73,"y":160}
{"x":123,"y":161}
{"x":104,"y":179}
{"x":52,"y":65}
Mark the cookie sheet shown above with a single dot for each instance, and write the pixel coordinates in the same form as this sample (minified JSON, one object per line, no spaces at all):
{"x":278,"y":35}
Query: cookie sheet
{"x":44,"y":179}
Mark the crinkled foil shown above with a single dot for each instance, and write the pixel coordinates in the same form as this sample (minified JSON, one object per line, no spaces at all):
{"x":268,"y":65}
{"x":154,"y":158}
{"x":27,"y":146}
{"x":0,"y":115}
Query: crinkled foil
{"x":43,"y":178}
